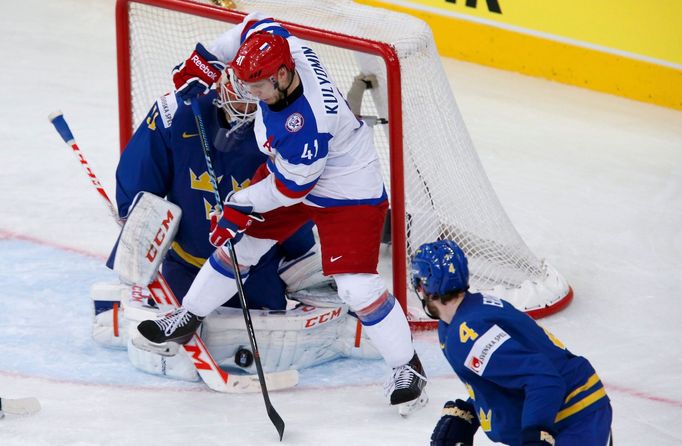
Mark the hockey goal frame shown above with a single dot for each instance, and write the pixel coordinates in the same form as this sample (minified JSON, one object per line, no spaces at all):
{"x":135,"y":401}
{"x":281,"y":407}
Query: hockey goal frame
{"x":393,"y":85}
{"x":543,"y":291}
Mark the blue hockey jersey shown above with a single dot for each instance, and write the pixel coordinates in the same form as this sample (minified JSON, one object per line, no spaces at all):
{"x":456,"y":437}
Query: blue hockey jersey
{"x":518,"y":375}
{"x":165,"y":157}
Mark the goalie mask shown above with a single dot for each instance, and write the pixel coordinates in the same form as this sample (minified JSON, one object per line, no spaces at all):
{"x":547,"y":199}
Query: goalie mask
{"x":238,"y":104}
{"x":439,"y":269}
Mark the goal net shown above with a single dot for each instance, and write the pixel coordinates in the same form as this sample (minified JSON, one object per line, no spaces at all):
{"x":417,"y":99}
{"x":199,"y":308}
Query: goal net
{"x":436,"y":183}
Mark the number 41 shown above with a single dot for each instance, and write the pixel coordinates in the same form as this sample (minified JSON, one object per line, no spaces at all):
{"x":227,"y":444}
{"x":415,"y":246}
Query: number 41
{"x":308,"y":153}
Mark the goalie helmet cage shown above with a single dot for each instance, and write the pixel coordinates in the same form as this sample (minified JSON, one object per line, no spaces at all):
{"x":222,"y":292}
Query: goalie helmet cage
{"x":436,"y":183}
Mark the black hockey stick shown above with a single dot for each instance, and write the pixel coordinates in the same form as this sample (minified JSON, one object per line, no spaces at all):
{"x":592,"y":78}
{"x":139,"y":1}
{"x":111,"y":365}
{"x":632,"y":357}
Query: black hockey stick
{"x":272,"y":413}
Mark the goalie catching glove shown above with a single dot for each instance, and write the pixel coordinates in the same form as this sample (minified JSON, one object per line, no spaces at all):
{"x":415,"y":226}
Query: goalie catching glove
{"x":232,"y":221}
{"x":196,"y":75}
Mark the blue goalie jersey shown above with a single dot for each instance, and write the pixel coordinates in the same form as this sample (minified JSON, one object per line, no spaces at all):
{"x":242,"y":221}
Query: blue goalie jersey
{"x":517,"y":374}
{"x":165,"y":157}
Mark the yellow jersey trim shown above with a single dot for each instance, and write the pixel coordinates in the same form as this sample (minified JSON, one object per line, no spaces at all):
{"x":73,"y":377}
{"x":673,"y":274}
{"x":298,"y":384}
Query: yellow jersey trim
{"x":580,"y":405}
{"x":187,"y":257}
{"x":594,"y":379}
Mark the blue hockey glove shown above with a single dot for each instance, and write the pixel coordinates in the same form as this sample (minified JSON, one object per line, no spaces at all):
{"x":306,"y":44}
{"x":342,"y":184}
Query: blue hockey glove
{"x":457,"y":425}
{"x":536,"y":437}
{"x":232,"y":221}
{"x":197,"y":74}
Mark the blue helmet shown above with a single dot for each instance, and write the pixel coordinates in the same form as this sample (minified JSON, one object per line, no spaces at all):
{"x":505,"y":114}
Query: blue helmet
{"x":440,"y":268}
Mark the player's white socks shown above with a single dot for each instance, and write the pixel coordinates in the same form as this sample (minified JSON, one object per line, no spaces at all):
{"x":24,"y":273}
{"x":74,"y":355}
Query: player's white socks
{"x":212,"y":288}
{"x":209,"y":290}
{"x":392,"y":338}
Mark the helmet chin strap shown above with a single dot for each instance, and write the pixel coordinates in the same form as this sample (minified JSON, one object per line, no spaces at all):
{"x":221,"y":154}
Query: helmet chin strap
{"x":426,"y":311}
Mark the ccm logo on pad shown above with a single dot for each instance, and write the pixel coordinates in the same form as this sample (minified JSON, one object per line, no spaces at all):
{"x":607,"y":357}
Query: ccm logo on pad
{"x":160,"y":236}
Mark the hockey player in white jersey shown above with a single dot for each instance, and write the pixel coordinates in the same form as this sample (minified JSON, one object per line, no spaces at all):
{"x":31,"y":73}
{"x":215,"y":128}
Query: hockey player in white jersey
{"x":322,"y":165}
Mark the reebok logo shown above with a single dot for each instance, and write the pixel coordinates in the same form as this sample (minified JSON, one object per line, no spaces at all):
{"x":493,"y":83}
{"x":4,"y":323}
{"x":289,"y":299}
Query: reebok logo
{"x":209,"y":71}
{"x":186,"y":135}
{"x":334,"y":259}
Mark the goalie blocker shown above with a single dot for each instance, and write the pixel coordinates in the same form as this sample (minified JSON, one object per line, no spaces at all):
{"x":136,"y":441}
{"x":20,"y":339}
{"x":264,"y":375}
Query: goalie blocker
{"x":301,"y":337}
{"x":145,"y":238}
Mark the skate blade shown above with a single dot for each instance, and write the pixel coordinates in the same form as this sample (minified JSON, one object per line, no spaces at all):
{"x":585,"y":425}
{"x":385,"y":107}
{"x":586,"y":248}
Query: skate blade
{"x":405,"y":409}
{"x":163,"y":349}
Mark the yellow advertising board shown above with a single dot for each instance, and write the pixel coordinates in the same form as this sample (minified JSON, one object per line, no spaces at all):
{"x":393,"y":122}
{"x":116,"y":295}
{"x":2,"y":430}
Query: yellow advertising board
{"x":631,"y":48}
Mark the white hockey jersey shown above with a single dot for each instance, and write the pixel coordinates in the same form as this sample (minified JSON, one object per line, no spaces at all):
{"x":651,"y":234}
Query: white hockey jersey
{"x":319,"y":152}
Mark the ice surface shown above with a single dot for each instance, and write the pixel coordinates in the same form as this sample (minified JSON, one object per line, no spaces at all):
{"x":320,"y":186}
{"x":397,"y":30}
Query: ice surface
{"x":593,"y":183}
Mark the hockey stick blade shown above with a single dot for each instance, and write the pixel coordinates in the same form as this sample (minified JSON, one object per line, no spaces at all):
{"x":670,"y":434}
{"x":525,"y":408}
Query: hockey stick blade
{"x":274,"y":381}
{"x":20,"y":406}
{"x":277,"y":421}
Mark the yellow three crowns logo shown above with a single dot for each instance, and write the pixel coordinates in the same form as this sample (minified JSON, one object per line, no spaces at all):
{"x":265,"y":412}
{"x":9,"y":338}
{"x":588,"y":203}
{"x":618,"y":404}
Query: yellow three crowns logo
{"x":486,"y":419}
{"x":202,"y":182}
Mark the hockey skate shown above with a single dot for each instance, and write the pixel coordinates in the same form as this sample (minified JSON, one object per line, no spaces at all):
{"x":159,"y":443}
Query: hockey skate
{"x":405,"y":388}
{"x":164,"y":336}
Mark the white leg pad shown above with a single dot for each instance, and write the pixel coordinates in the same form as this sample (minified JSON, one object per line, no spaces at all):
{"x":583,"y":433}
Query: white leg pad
{"x":178,"y":366}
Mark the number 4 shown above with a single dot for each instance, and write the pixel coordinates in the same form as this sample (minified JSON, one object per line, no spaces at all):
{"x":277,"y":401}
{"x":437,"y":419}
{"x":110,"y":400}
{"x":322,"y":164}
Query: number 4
{"x":466,"y":333}
{"x":308,"y":153}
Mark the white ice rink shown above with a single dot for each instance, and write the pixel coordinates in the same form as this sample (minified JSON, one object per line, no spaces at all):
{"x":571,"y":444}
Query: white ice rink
{"x":592,"y":182}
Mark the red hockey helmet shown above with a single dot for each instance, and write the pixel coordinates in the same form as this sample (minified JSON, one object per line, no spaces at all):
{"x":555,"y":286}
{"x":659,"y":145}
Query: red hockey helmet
{"x":260,"y":56}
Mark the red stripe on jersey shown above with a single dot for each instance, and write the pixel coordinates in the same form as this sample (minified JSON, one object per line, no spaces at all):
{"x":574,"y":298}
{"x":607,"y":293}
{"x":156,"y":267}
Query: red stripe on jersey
{"x":281,"y":187}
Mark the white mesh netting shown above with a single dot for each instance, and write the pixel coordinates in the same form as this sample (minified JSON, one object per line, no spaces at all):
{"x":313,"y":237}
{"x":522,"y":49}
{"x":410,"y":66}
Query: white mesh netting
{"x":447,"y":193}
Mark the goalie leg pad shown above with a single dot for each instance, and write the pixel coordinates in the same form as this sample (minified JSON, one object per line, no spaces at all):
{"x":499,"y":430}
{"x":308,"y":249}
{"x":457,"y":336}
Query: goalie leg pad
{"x":304,"y":272}
{"x":110,"y":327}
{"x":178,"y":366}
{"x":302,"y":337}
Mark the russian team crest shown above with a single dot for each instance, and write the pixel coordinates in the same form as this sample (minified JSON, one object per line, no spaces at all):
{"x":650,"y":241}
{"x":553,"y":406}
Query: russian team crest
{"x":294,"y":122}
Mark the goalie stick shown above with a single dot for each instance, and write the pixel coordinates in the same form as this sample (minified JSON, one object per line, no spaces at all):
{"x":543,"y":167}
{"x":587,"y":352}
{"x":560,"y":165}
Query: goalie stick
{"x":19,"y":406}
{"x":215,"y":378}
{"x":272,"y":413}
